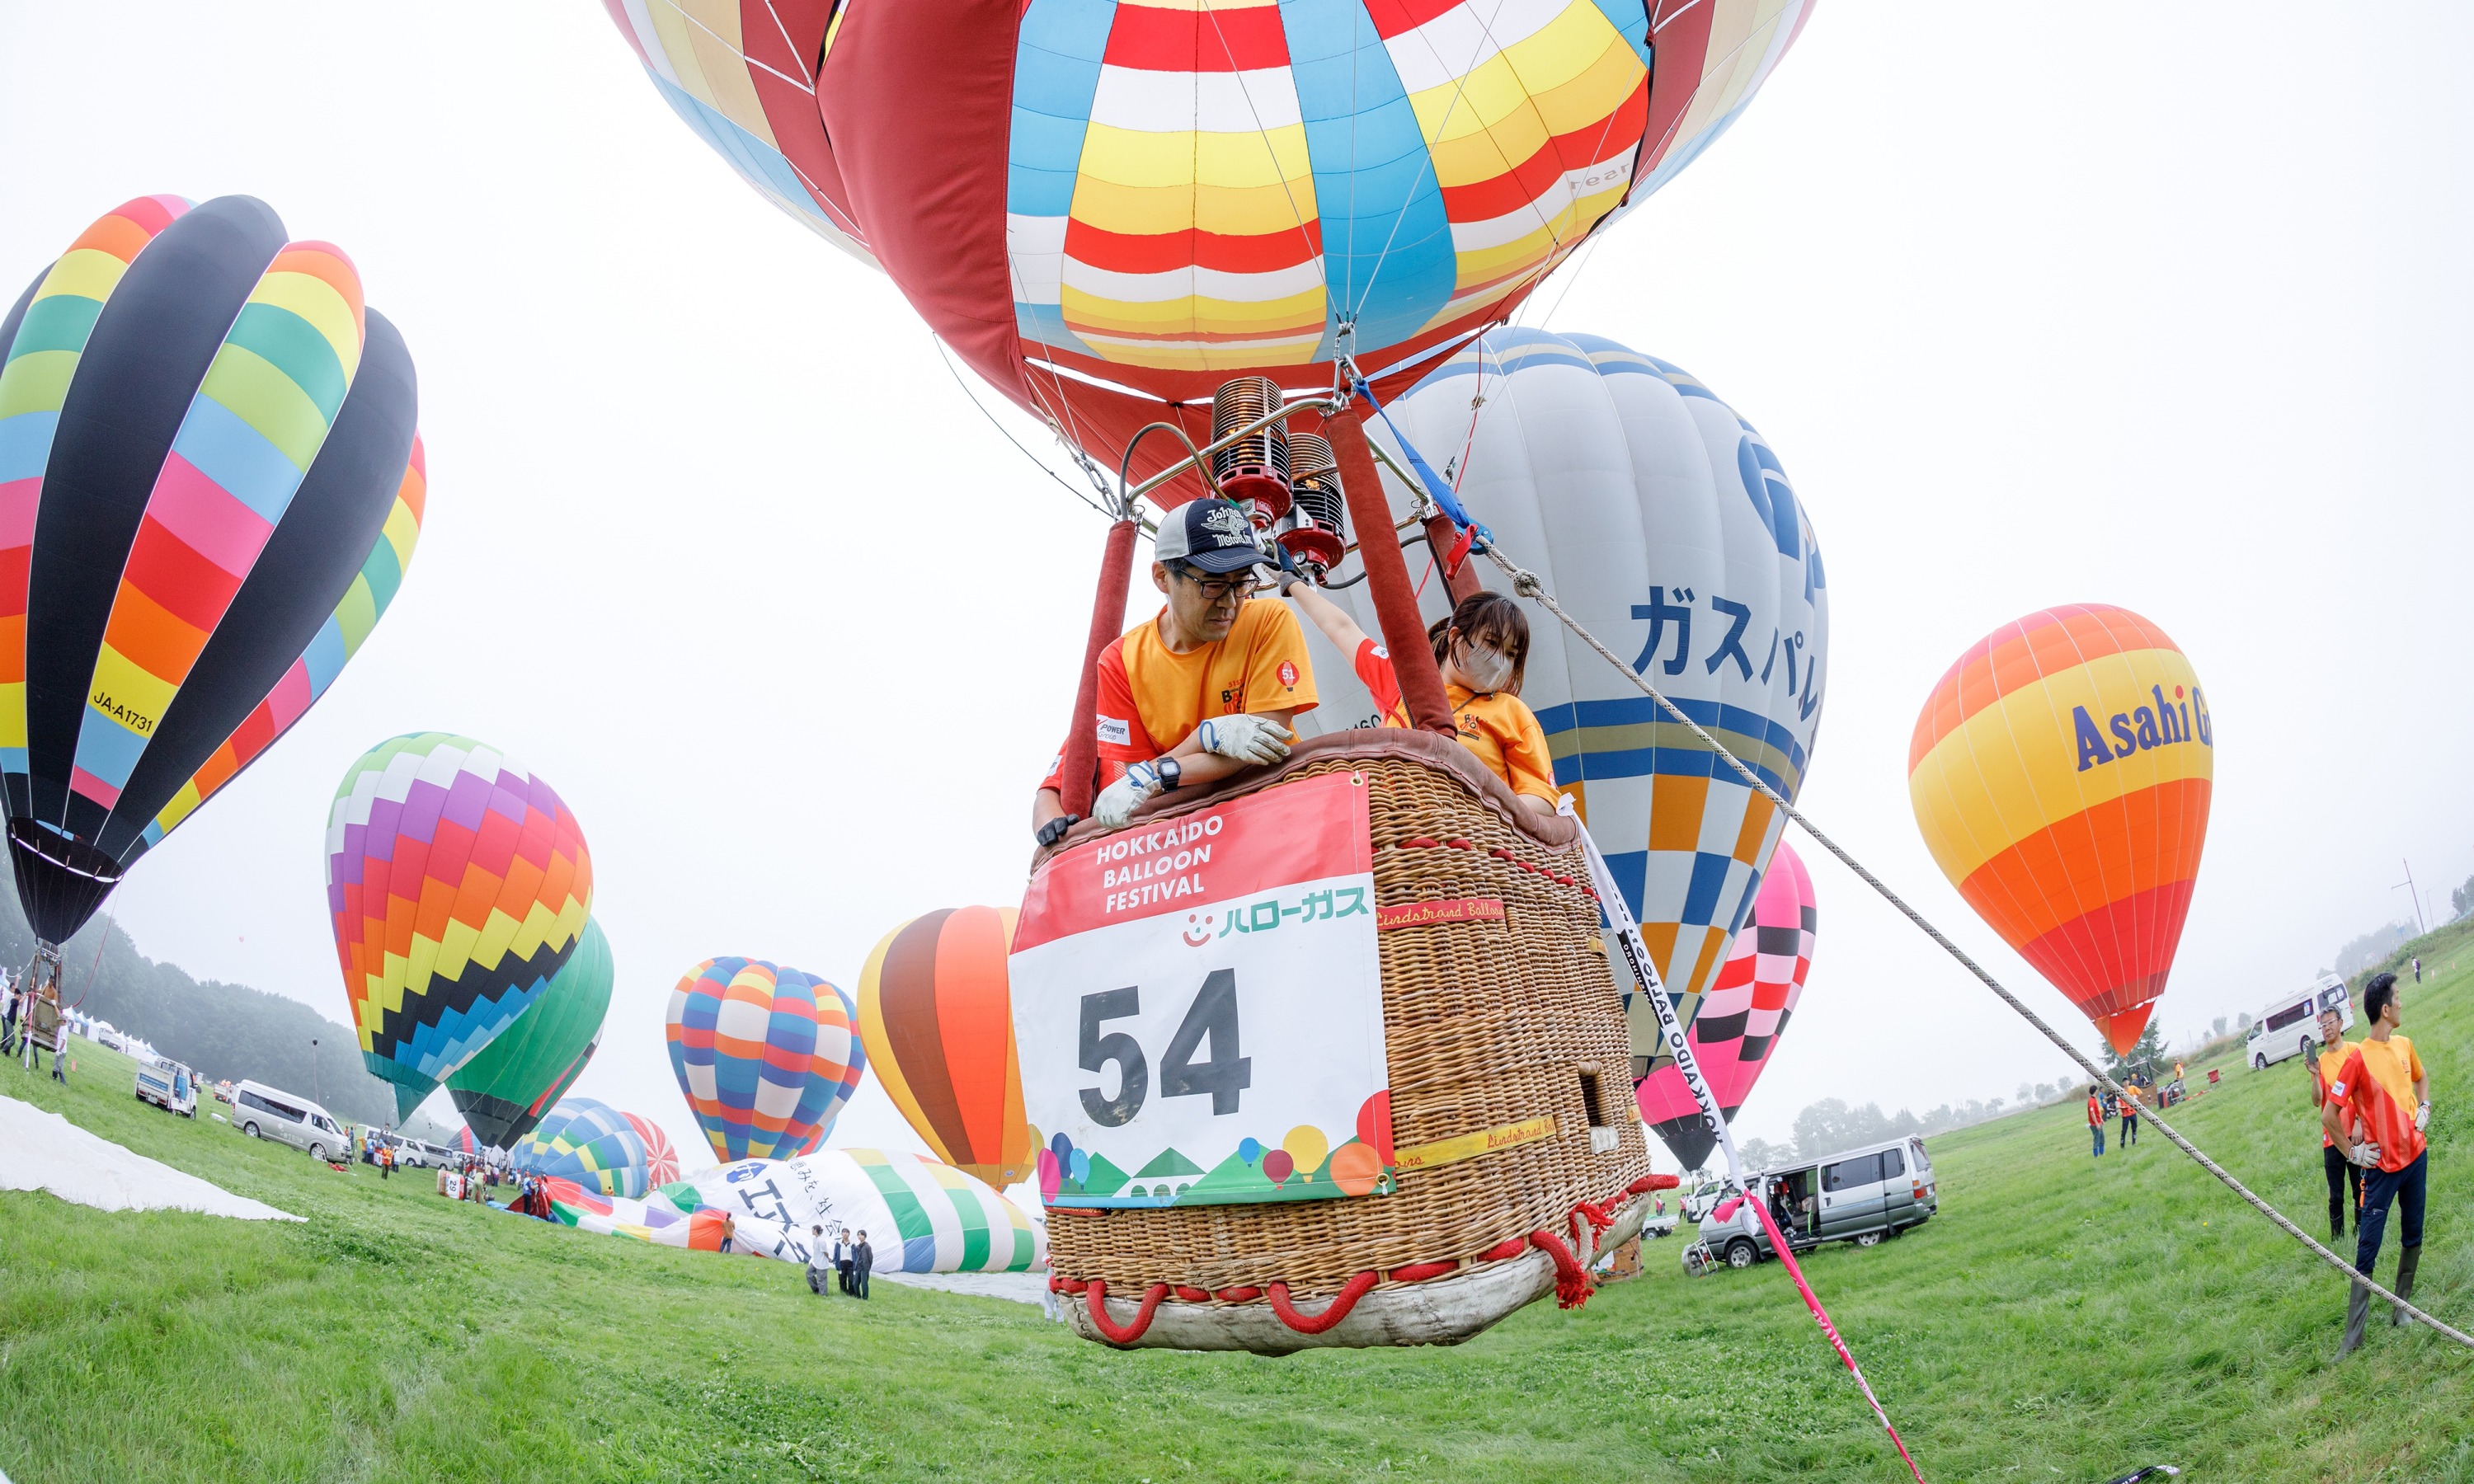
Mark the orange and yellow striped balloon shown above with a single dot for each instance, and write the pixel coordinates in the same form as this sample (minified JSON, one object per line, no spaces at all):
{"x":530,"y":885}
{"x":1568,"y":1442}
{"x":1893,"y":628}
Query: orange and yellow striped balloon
{"x":2060,"y":774}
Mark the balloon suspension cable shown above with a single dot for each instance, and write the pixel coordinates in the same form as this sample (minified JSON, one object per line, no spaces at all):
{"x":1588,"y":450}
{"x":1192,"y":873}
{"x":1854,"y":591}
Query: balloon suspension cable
{"x":95,"y":967}
{"x":1090,"y":471}
{"x":1529,"y":586}
{"x":1678,"y":1044}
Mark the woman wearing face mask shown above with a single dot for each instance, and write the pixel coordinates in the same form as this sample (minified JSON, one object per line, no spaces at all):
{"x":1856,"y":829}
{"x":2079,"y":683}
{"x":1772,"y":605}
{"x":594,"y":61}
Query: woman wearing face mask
{"x":1482,"y":649}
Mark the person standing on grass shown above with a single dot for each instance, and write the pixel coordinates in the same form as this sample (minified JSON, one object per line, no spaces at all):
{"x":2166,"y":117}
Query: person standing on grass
{"x":2382,"y":1086}
{"x":841,"y":1259}
{"x":863,"y":1258}
{"x":2129,"y":1113}
{"x":2095,"y":1122}
{"x":2341,"y":1171}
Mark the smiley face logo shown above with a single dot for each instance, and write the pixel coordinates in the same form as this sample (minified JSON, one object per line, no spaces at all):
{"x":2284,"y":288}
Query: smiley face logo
{"x":1196,"y":924}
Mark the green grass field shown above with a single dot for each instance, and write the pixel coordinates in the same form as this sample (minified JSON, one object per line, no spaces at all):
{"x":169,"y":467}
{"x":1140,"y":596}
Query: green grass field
{"x":2063,"y":1319}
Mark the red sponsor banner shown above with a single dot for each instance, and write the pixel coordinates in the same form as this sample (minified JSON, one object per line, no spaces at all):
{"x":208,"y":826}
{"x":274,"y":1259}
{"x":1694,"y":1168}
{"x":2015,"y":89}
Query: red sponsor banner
{"x":1308,"y":830}
{"x":1430,"y":914}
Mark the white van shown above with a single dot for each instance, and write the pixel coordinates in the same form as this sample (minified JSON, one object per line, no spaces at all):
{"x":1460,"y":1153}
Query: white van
{"x":2290,"y":1026}
{"x":262,"y":1111}
{"x":1860,"y":1196}
{"x":170,"y":1086}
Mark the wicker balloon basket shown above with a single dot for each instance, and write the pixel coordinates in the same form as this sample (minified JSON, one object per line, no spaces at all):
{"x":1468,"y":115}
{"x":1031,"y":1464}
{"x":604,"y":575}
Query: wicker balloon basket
{"x":1521,"y":1157}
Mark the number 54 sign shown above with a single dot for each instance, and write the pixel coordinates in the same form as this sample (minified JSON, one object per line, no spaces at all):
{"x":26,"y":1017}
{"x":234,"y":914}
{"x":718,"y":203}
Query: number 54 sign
{"x":1197,"y":1007}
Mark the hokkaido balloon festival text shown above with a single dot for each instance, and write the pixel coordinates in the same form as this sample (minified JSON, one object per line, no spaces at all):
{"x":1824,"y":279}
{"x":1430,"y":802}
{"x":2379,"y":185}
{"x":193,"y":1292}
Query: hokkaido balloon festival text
{"x":1221,"y":1045}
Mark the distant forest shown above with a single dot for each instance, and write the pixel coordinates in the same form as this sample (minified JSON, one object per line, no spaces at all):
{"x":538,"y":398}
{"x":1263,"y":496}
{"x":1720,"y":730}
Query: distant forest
{"x":221,"y":1031}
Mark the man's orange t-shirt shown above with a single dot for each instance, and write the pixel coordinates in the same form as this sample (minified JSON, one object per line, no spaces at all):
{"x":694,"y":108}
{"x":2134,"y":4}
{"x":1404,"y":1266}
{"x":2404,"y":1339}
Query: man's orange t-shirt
{"x":2375,"y":1082}
{"x":2323,"y":1071}
{"x":1152,"y":697}
{"x":2096,"y":1112}
{"x":1498,"y":727}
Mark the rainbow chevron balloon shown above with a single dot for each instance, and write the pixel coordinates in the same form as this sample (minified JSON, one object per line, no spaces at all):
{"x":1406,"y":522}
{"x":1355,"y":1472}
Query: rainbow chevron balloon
{"x":459,"y":885}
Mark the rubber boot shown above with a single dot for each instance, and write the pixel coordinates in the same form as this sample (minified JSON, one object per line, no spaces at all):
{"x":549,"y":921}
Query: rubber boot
{"x":2358,"y":1312}
{"x":2407,"y":1262}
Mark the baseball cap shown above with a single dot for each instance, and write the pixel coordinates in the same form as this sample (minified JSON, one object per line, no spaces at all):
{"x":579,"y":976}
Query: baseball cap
{"x":1213,"y":535}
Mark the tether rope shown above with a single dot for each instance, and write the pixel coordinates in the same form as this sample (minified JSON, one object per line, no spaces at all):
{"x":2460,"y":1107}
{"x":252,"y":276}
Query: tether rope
{"x":1530,"y":585}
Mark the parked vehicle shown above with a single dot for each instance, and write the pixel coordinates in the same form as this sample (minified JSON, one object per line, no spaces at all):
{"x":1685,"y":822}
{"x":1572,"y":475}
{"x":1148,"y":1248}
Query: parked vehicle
{"x":170,"y":1086}
{"x":2290,"y":1026}
{"x":418,"y":1153}
{"x":1860,"y":1196}
{"x":262,"y":1111}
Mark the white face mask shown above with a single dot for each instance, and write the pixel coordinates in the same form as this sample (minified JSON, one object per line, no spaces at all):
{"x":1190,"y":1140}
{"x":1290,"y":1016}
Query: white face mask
{"x":1486,"y":670}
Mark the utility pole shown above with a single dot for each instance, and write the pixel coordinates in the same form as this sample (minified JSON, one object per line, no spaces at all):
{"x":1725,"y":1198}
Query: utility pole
{"x":313,"y":1073}
{"x":2415,"y":896}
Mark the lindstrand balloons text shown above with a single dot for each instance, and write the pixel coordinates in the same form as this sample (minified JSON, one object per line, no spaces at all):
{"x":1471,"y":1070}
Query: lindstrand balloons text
{"x":1135,"y":201}
{"x":459,"y":885}
{"x":766,"y":1055}
{"x":2061,"y":774}
{"x":1663,"y":522}
{"x":528,"y":1066}
{"x":589,"y":1142}
{"x":206,"y":446}
{"x":1743,"y":1014}
{"x":938,"y":1025}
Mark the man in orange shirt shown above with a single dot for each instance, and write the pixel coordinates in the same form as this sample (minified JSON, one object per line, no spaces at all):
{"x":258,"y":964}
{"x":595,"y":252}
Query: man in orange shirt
{"x":2339,"y":1170}
{"x":1201,"y":691}
{"x":2383,"y":1089}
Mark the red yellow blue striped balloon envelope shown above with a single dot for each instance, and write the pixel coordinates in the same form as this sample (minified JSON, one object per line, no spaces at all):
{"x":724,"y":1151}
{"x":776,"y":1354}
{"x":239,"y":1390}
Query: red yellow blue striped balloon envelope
{"x":764,"y":1054}
{"x":1105,"y":205}
{"x":2061,"y":772}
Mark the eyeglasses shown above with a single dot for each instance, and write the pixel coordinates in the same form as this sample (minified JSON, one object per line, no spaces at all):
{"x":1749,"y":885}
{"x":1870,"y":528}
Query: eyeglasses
{"x":1239,"y":586}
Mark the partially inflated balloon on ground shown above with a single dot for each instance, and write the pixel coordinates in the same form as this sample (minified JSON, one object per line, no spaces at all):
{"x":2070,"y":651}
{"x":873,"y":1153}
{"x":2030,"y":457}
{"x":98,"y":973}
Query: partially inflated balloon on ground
{"x":937,"y":1019}
{"x":765,"y":1055}
{"x":210,"y":483}
{"x":458,"y":885}
{"x":920,"y":1216}
{"x":2061,"y":774}
{"x":661,"y":1160}
{"x":503,"y":1091}
{"x":589,"y":1142}
{"x":1743,"y":1014}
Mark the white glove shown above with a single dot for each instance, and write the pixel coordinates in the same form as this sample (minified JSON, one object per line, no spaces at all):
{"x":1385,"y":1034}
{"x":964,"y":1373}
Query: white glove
{"x":2422,"y":1120}
{"x":1117,"y":801}
{"x":2365,"y":1154}
{"x":1255,"y":739}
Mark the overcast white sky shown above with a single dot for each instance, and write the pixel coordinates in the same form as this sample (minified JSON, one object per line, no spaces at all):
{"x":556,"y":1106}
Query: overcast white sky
{"x":2161,"y":306}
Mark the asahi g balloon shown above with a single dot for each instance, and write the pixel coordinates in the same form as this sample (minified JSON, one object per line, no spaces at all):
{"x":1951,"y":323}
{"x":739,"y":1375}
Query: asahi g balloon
{"x":1665,"y":523}
{"x":2061,"y":774}
{"x":210,"y":485}
{"x":459,"y":885}
{"x":1134,"y":202}
{"x":938,"y":1025}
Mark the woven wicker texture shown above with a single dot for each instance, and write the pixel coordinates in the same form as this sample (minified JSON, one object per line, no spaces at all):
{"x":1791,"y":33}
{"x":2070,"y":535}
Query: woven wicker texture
{"x":1486,"y":1023}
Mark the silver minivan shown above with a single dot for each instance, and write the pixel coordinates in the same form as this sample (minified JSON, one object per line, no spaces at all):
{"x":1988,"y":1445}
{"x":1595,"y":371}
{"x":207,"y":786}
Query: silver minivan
{"x":1859,"y":1196}
{"x":262,"y":1111}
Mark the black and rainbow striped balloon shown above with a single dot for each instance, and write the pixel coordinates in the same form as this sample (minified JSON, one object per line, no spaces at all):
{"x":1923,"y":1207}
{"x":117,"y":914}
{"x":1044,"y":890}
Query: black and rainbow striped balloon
{"x":211,"y":481}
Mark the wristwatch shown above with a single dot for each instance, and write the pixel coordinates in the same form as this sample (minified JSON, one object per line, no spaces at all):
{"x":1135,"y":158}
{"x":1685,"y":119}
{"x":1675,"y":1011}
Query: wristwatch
{"x":1170,"y":773}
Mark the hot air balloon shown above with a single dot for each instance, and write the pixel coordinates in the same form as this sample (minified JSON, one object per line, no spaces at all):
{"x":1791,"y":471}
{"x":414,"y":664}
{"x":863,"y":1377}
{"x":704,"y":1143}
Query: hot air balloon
{"x":528,"y":1066}
{"x":459,"y":885}
{"x":2061,"y":772}
{"x":1743,"y":1014}
{"x":920,"y":1216}
{"x":764,"y":1054}
{"x":938,"y":1025}
{"x":591,"y":1143}
{"x":210,"y":481}
{"x":661,"y":1160}
{"x":1133,"y":202}
{"x":1662,"y":522}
